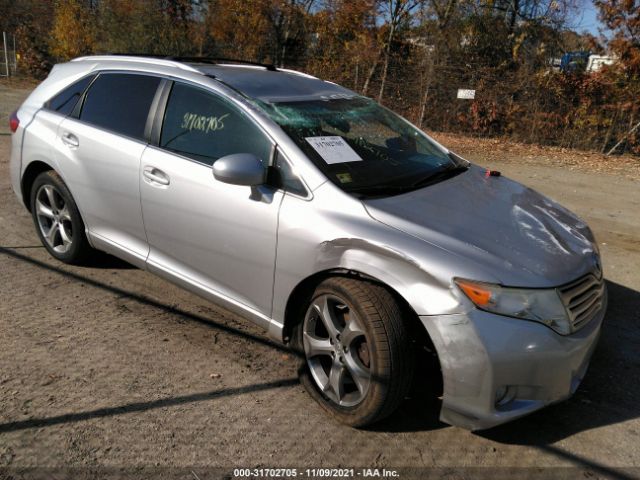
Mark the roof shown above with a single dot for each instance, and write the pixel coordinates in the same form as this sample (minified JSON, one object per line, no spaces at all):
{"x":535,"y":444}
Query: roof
{"x":262,"y":82}
{"x":272,"y":85}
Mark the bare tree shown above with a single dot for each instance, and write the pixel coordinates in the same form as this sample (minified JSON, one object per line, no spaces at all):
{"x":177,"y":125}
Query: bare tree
{"x":287,"y":18}
{"x":397,"y":13}
{"x":444,"y":11}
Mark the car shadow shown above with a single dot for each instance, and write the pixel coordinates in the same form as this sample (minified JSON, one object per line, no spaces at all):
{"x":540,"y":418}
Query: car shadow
{"x":607,"y":396}
{"x":98,"y":259}
{"x":419,"y":413}
{"x":420,"y":410}
{"x":102,"y":260}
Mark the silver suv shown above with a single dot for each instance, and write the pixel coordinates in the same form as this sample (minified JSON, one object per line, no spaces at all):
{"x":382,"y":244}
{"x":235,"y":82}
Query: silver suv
{"x":326,"y":219}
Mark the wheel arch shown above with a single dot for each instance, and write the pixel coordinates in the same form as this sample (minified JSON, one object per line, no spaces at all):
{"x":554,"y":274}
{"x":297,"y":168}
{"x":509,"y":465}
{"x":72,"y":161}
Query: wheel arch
{"x":301,"y":292}
{"x":427,"y":355}
{"x":32,"y":171}
{"x":35,"y":168}
{"x":424,"y":292}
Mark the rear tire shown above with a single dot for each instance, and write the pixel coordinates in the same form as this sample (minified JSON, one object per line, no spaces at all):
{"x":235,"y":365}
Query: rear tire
{"x":356,"y":356}
{"x":57,"y":219}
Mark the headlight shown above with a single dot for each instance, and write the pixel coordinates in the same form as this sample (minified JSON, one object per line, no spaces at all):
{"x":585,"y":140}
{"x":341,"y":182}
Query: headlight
{"x":539,"y":305}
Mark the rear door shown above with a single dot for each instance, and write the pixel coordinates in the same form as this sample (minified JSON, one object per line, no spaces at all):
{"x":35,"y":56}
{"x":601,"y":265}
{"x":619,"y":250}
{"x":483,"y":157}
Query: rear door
{"x":216,"y":238}
{"x":99,"y":150}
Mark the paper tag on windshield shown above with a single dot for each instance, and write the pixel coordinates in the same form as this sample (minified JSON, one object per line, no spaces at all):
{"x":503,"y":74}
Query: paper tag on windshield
{"x":333,"y":149}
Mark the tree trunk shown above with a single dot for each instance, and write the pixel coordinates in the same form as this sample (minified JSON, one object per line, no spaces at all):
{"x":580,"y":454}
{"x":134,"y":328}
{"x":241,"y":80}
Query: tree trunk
{"x":607,"y":137}
{"x":515,"y":6}
{"x":355,"y":82}
{"x":284,"y":51}
{"x":387,"y":54}
{"x":372,"y":70}
{"x":425,"y":96}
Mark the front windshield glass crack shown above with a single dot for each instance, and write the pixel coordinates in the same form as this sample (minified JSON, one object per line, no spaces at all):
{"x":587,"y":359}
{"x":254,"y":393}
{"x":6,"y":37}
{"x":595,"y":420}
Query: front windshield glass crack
{"x":360,"y":145}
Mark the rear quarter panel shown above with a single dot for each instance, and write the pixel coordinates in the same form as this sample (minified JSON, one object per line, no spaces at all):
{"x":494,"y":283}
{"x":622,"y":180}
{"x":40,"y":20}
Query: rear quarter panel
{"x":33,"y":141}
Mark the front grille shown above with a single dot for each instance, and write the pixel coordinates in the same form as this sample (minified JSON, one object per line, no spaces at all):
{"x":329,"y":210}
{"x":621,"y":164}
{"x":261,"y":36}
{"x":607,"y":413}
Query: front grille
{"x":583,"y":299}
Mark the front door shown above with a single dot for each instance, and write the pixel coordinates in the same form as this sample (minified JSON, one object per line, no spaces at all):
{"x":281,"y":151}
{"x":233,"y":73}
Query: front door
{"x":218,"y":238}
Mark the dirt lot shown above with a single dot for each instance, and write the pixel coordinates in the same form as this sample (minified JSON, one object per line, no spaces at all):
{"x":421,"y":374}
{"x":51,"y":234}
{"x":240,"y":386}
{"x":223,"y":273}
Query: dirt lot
{"x":107,"y":370}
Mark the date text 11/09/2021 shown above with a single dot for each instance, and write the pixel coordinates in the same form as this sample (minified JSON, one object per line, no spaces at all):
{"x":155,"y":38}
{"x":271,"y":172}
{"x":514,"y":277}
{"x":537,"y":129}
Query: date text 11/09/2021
{"x":315,"y":473}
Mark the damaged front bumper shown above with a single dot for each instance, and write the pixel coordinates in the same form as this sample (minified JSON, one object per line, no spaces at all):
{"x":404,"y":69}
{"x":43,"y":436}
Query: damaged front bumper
{"x":496,"y":368}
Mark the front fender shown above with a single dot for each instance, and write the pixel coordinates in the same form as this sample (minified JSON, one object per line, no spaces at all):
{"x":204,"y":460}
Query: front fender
{"x":422,"y":290}
{"x":314,"y":240}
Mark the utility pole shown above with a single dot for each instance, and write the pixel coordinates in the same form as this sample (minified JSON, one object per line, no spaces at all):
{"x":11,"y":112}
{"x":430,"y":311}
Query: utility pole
{"x":15,"y":55}
{"x":6,"y":54}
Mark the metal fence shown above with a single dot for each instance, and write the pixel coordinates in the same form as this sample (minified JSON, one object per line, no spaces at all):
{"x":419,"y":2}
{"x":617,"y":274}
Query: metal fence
{"x":541,"y":106}
{"x":8,"y":55}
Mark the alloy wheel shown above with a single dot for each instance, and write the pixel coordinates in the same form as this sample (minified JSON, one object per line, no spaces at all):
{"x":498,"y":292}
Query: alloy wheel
{"x":337,"y":350}
{"x":54,"y":218}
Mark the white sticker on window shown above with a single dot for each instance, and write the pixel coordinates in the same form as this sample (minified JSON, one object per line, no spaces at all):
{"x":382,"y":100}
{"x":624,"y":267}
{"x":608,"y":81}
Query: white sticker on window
{"x":333,"y":149}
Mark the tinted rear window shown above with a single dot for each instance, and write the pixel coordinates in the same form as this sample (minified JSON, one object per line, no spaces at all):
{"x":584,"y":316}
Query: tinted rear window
{"x":120,"y":102}
{"x":67,"y":99}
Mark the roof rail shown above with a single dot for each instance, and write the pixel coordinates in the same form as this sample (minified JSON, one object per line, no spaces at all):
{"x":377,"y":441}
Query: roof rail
{"x":177,"y":61}
{"x":155,"y":60}
{"x":222,"y":60}
{"x":296,"y":72}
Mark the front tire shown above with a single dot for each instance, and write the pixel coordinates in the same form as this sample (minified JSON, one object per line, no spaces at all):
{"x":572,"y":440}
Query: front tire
{"x":356,"y":354}
{"x":57,"y":219}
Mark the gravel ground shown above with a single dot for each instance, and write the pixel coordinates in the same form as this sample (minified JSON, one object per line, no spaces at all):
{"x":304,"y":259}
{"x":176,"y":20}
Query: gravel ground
{"x":106,"y":370}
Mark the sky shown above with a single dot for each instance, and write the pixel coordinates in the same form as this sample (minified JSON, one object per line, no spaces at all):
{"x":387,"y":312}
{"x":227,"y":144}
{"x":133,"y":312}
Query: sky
{"x":587,"y":19}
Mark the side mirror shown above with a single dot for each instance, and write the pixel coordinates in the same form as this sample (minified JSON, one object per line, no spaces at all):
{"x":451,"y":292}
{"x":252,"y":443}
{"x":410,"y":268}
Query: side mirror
{"x":240,"y":169}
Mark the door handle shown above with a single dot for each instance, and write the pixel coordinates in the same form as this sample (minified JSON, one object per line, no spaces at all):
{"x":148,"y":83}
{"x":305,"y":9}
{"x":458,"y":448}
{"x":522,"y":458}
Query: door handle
{"x":70,"y":140}
{"x":155,"y":175}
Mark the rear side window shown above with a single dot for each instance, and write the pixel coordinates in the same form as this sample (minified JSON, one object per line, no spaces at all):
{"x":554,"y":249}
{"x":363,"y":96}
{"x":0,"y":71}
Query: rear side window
{"x":120,"y":102}
{"x":65,"y":101}
{"x":199,"y":125}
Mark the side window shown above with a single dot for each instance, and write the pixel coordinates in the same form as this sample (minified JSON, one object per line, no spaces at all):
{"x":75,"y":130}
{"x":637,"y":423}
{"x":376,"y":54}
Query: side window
{"x":199,"y":125}
{"x":289,"y":181}
{"x":65,"y":101}
{"x":120,"y":102}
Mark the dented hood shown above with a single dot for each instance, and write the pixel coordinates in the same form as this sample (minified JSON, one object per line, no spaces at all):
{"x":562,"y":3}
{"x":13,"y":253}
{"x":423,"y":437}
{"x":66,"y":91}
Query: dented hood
{"x":515,"y":234}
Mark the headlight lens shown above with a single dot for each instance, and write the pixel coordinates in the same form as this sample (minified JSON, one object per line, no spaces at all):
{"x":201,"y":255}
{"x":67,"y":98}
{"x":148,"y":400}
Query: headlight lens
{"x":539,"y":305}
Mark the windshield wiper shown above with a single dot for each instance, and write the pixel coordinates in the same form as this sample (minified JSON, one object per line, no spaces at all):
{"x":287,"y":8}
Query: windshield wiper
{"x":440,"y":175}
